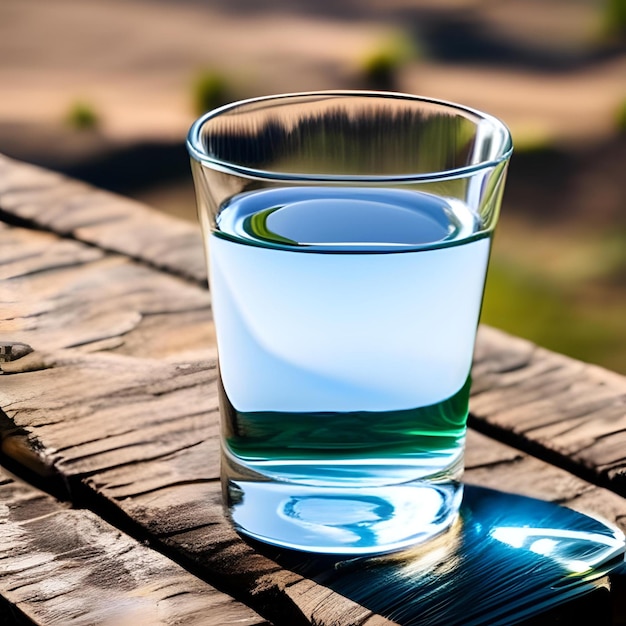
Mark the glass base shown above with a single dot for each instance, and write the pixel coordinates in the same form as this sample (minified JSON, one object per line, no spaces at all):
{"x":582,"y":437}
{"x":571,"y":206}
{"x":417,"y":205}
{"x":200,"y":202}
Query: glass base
{"x":341,"y":520}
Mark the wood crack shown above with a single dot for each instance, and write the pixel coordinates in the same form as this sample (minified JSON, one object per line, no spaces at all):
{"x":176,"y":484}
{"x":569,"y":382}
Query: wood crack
{"x":188,"y":529}
{"x":169,"y":485}
{"x":551,"y":456}
{"x":122,"y":433}
{"x":198,"y":278}
{"x":61,"y":465}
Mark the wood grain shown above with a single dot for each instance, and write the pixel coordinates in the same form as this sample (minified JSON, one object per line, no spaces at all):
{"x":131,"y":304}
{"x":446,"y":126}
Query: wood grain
{"x":568,"y":412}
{"x":60,"y":565}
{"x":115,"y":401}
{"x":160,"y":469}
{"x":60,"y":293}
{"x":111,"y":222}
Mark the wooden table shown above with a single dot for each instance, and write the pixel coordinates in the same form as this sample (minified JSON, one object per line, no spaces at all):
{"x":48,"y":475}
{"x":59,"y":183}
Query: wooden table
{"x":110,"y":506}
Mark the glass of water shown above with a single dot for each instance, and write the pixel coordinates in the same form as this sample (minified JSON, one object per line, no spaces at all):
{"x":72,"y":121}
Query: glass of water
{"x":347,"y":236}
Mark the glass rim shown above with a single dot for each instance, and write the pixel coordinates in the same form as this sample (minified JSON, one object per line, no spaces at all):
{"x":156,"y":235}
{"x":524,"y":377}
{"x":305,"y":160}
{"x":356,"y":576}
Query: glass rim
{"x":196,"y":151}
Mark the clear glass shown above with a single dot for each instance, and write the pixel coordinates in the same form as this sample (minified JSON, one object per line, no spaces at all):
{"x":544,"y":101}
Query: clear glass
{"x":347,"y":237}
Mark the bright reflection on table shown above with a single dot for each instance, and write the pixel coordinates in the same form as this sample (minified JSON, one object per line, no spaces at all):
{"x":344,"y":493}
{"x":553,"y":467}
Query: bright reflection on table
{"x":507,"y":559}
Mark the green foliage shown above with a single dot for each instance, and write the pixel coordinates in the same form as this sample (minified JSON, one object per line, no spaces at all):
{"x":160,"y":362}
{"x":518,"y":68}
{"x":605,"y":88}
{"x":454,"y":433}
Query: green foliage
{"x":533,"y":141}
{"x":380,"y":68}
{"x":614,"y":18}
{"x":82,"y":116}
{"x":209,"y":90}
{"x":565,"y":315}
{"x":527,"y":306}
{"x":620,"y":118}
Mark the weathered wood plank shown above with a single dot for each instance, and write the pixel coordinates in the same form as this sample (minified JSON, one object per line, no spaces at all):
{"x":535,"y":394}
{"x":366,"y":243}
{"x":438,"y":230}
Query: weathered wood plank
{"x":108,"y":221}
{"x":118,"y":400}
{"x":169,"y":487}
{"x":569,"y":412}
{"x":60,"y":565}
{"x":160,"y":467}
{"x":59,"y":293}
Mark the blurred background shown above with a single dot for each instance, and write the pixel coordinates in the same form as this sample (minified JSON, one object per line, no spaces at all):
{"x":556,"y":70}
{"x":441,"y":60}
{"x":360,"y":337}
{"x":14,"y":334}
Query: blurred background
{"x":105,"y":90}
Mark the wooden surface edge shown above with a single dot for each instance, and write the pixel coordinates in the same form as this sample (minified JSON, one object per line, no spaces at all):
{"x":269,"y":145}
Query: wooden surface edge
{"x":54,"y":202}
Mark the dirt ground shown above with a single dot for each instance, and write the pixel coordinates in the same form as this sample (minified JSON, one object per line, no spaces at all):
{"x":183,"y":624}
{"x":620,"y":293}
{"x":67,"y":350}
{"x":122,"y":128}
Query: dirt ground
{"x":540,"y":66}
{"x":535,"y":64}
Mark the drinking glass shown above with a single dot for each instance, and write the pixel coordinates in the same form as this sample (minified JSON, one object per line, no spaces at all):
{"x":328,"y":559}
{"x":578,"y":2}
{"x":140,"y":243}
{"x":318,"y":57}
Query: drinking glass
{"x":347,"y":237}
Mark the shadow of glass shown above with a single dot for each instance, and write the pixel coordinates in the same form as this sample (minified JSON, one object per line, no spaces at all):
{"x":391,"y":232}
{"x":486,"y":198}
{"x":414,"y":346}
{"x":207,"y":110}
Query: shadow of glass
{"x":506,"y":559}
